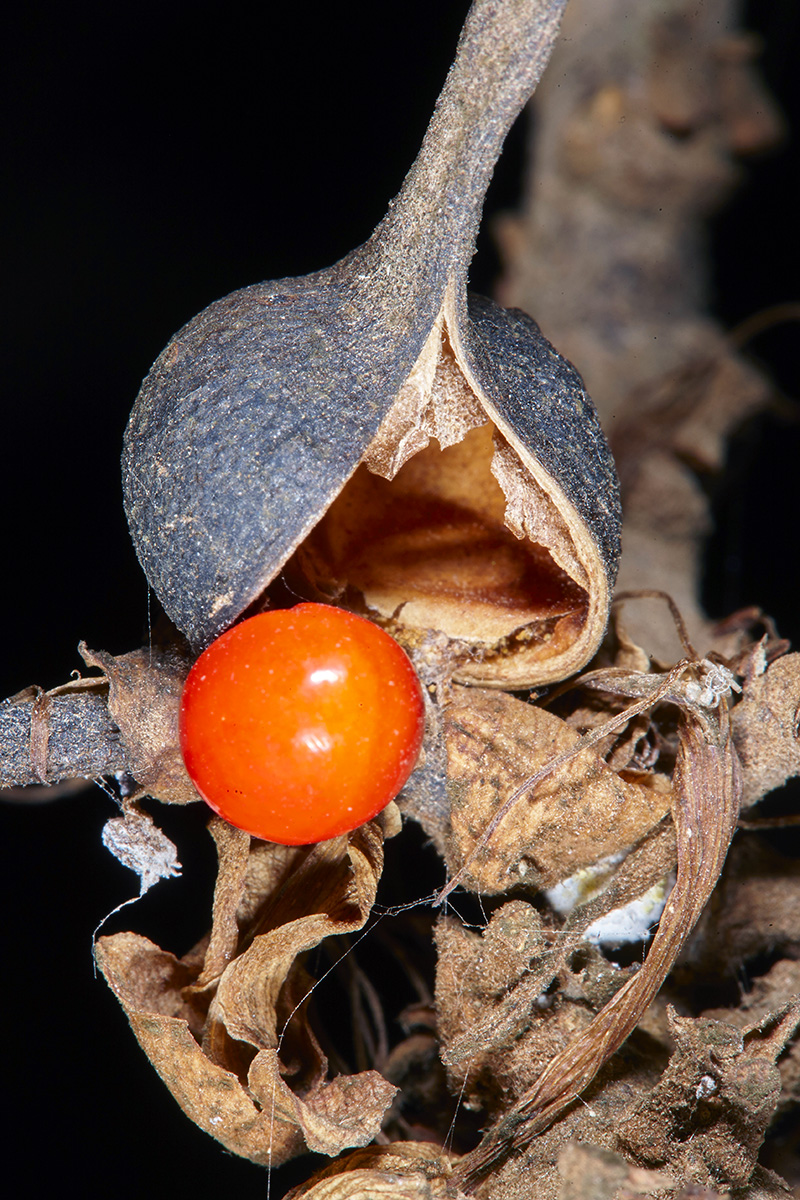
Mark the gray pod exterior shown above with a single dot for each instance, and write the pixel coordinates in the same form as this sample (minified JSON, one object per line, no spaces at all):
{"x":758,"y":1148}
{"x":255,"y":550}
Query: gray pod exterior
{"x":244,"y":431}
{"x":260,"y":409}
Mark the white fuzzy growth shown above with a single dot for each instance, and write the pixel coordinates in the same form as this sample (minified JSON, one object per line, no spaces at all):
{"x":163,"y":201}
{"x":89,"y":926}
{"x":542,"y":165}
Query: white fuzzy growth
{"x":138,"y":843}
{"x":624,"y":926}
{"x":715,"y":682}
{"x":583,"y":886}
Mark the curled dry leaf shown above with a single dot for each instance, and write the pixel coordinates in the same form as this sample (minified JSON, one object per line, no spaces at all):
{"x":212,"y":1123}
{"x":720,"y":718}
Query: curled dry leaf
{"x":226,"y":1029}
{"x":486,"y":985}
{"x":500,"y":1018}
{"x":403,"y":1171}
{"x":577,"y":814}
{"x":237,"y":855}
{"x":144,"y":695}
{"x":765,"y":1000}
{"x":708,"y":1113}
{"x":766,"y":728}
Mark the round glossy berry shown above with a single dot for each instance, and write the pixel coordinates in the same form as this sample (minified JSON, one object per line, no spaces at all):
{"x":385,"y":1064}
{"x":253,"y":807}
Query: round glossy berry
{"x":302,"y":723}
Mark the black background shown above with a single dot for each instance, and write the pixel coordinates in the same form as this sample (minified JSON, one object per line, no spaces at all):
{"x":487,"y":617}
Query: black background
{"x":157,"y":157}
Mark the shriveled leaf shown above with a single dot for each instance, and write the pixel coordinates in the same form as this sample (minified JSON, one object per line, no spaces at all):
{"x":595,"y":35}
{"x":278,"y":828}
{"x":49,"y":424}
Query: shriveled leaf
{"x":347,"y":1111}
{"x":484,"y":983}
{"x":766,"y":997}
{"x":147,"y":983}
{"x":234,"y":852}
{"x":707,"y":1116}
{"x":144,"y":697}
{"x":578,"y":813}
{"x":221,"y":1061}
{"x":330,"y":892}
{"x":766,"y":728}
{"x":403,"y":1171}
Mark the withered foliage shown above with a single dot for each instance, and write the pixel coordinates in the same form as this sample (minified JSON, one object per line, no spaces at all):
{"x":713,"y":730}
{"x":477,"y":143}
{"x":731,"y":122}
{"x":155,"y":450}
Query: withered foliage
{"x":538,"y":1061}
{"x":225,"y":1026}
{"x":583,"y":811}
{"x":611,"y":783}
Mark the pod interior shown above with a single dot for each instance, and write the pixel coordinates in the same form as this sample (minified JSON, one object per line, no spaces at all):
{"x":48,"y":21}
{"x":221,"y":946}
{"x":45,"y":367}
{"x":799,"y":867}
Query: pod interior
{"x":432,"y":537}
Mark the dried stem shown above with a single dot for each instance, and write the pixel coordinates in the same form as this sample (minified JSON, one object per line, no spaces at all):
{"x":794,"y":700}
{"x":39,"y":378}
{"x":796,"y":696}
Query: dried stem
{"x":48,"y":737}
{"x":501,"y":55}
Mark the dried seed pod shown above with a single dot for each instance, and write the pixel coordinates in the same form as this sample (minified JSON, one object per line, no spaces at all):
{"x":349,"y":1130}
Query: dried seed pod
{"x":385,"y":441}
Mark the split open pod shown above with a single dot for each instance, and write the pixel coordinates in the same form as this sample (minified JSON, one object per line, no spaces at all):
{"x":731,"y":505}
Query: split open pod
{"x":380,"y":438}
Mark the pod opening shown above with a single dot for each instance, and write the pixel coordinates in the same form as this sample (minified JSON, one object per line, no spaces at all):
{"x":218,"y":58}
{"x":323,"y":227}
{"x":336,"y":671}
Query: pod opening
{"x":430,"y":552}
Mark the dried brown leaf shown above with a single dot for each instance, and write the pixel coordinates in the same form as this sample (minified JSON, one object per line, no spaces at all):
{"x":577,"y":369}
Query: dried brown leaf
{"x":222,"y":1065}
{"x":595,"y":1163}
{"x":580,"y":812}
{"x":767,"y":995}
{"x":707,"y":1116}
{"x":147,"y":982}
{"x":478,"y":980}
{"x":233,"y":852}
{"x":144,"y":696}
{"x":269,"y":865}
{"x":347,"y":1111}
{"x":330,"y":892}
{"x":766,"y":728}
{"x":403,"y":1171}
